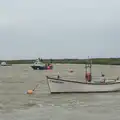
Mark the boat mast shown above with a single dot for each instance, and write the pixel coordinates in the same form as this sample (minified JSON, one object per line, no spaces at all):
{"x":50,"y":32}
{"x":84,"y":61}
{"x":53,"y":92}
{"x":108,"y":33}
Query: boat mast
{"x":88,"y":70}
{"x":88,"y":65}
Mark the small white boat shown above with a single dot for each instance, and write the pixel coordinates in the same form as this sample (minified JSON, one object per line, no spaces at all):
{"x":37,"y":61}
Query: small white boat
{"x":101,"y":84}
{"x":5,"y":64}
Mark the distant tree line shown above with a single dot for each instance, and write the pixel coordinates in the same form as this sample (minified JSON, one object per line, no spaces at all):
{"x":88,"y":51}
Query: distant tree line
{"x":104,"y":61}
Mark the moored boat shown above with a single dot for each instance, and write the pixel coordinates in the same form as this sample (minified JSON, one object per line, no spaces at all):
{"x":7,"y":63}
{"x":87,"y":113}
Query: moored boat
{"x":87,"y":85}
{"x":5,"y":64}
{"x":38,"y":65}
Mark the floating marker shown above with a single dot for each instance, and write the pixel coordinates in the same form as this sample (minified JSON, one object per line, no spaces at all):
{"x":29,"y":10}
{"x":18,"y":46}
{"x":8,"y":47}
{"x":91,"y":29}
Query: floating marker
{"x":71,"y":70}
{"x":30,"y":92}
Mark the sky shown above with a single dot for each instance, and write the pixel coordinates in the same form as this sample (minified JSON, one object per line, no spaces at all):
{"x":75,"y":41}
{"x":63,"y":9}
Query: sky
{"x":59,"y":28}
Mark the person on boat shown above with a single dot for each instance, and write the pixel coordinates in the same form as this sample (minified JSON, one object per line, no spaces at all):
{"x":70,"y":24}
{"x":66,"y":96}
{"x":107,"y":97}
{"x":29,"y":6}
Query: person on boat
{"x":58,"y":77}
{"x":102,"y":79}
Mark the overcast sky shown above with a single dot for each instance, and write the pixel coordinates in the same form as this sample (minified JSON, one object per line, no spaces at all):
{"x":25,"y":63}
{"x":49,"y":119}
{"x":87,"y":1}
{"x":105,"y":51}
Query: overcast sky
{"x":59,"y":28}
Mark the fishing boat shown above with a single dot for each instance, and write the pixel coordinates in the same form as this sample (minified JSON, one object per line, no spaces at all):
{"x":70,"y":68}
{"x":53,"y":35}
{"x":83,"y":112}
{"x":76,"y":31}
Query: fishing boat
{"x":39,"y":65}
{"x":5,"y":64}
{"x":90,"y":84}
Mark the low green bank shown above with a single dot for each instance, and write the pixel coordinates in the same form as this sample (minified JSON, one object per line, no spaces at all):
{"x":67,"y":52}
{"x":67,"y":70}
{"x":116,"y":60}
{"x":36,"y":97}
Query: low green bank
{"x":102,"y":61}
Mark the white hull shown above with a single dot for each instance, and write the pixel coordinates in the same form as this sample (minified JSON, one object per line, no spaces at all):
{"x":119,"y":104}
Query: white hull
{"x":67,"y":86}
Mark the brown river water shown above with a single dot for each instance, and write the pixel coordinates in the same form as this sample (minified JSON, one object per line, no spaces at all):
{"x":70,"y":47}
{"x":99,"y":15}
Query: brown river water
{"x":16,"y":105}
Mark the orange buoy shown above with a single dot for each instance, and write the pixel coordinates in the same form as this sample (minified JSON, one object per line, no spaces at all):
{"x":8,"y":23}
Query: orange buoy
{"x":30,"y":92}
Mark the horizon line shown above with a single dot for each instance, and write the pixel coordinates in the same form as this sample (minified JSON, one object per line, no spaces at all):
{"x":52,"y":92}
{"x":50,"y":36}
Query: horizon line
{"x":59,"y":58}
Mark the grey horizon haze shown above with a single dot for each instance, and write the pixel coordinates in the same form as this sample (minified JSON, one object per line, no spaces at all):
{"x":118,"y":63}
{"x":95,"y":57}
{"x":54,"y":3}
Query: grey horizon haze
{"x":59,"y":28}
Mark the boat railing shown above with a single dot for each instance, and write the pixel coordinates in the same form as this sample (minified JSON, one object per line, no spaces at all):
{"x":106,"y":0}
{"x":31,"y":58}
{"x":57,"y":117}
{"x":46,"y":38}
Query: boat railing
{"x":111,"y":79}
{"x":106,"y":79}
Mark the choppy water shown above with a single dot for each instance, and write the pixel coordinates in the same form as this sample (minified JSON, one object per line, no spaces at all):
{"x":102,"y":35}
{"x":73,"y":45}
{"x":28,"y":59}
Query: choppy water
{"x":15,"y":105}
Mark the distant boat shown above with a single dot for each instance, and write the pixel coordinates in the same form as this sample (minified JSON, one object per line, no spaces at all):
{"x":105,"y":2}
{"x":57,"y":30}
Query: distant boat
{"x":5,"y":64}
{"x":38,"y":65}
{"x":89,"y":85}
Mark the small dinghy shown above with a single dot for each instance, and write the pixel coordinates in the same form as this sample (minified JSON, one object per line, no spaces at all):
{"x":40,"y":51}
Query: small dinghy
{"x":89,"y":84}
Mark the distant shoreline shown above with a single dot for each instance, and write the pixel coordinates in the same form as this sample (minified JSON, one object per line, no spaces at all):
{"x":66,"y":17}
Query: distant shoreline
{"x":102,"y":61}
